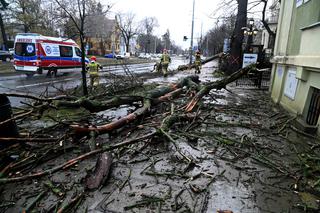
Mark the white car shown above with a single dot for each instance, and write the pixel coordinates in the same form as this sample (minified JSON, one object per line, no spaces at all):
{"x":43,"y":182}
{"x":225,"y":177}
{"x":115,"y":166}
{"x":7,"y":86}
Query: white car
{"x":11,"y":51}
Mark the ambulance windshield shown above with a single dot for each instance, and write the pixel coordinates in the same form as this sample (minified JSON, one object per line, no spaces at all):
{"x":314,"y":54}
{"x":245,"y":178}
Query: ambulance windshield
{"x":25,"y":49}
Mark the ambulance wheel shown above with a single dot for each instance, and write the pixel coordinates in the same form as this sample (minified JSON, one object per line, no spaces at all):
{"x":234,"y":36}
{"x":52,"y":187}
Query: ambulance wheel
{"x":52,"y":73}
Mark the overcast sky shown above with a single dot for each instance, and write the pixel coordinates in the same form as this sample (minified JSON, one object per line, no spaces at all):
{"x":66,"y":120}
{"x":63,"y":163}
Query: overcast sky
{"x":175,"y":15}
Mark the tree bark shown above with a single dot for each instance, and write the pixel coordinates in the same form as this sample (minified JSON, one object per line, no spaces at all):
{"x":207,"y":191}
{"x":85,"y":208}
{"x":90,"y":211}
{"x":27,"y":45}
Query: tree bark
{"x":97,"y":106}
{"x":217,"y":85}
{"x":3,"y":32}
{"x":235,"y":59}
{"x":147,"y":103}
{"x":101,"y":171}
{"x":272,"y":35}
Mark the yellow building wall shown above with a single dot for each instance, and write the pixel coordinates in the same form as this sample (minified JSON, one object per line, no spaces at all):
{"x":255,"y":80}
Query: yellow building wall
{"x":306,"y":62}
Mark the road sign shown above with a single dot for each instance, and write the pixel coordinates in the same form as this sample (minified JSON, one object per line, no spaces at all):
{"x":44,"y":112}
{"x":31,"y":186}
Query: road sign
{"x":249,"y":58}
{"x":226,"y":45}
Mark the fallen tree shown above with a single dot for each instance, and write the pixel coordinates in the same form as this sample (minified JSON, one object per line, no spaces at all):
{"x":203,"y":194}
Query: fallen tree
{"x":97,"y":106}
{"x":76,"y":160}
{"x":220,"y":84}
{"x":151,"y":97}
{"x":192,"y":66}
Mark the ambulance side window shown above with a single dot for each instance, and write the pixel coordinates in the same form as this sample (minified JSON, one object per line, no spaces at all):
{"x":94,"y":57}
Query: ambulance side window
{"x":66,"y":51}
{"x":78,"y":51}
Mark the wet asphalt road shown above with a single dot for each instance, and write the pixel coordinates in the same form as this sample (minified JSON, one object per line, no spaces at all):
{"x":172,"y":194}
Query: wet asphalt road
{"x":43,"y":85}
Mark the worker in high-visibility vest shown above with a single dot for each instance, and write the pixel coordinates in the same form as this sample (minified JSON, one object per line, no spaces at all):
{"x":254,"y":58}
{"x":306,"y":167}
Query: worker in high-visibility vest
{"x":198,"y":61}
{"x":93,"y":68}
{"x":165,"y":61}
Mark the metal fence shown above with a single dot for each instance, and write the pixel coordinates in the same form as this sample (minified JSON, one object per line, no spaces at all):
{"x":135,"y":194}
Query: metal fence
{"x":256,"y":79}
{"x":314,"y":108}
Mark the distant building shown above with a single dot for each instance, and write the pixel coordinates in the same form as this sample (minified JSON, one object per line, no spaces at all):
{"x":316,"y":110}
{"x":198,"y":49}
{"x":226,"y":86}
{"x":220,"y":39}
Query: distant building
{"x":295,"y":82}
{"x":103,"y":36}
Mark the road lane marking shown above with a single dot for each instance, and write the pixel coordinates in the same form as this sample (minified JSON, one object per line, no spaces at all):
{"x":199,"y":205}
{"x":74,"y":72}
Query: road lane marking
{"x":45,"y":83}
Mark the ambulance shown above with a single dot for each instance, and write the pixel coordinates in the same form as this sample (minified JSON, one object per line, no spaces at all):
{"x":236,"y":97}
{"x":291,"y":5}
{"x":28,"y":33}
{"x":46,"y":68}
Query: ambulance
{"x":35,"y":53}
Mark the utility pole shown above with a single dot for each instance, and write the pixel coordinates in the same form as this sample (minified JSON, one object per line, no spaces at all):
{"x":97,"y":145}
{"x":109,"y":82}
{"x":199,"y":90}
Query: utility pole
{"x":191,"y":42}
{"x":200,"y":43}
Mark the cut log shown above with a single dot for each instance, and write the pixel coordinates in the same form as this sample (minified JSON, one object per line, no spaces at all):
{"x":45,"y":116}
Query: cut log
{"x":98,"y":177}
{"x":220,"y":84}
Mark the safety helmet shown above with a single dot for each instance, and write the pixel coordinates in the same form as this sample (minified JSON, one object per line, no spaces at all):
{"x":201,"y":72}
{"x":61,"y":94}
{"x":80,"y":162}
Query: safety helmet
{"x":93,"y":58}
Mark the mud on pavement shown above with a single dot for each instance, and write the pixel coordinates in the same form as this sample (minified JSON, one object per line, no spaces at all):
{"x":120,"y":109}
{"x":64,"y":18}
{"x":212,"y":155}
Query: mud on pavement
{"x":239,"y":152}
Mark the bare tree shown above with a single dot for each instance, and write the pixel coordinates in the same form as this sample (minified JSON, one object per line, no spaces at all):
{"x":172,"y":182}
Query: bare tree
{"x":3,"y":6}
{"x":148,"y":24}
{"x":272,"y":34}
{"x":213,"y":40}
{"x":128,"y":27}
{"x":146,"y":39}
{"x":237,"y":37}
{"x":77,"y":12}
{"x":166,"y":40}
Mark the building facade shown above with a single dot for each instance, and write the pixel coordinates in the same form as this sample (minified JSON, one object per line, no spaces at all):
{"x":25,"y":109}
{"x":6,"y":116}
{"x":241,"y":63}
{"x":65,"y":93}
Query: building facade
{"x":295,"y":81}
{"x":103,"y":36}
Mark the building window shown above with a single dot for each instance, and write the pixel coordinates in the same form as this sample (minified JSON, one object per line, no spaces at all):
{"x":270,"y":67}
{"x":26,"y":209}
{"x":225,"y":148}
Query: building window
{"x":299,"y":3}
{"x":314,"y":108}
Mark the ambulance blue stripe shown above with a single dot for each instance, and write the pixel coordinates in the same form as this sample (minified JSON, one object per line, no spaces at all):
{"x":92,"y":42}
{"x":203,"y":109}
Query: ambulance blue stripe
{"x":25,"y":58}
{"x":29,"y":58}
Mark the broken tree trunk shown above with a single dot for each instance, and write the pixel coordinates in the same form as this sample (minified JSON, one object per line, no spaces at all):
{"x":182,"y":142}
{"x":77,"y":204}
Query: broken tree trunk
{"x":211,"y":58}
{"x":148,"y":101}
{"x":97,"y":106}
{"x":101,"y":172}
{"x":217,"y":85}
{"x":36,"y":98}
{"x":192,"y":66}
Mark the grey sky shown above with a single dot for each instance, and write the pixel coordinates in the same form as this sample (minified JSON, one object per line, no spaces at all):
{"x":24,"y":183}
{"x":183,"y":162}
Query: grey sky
{"x":174,"y":15}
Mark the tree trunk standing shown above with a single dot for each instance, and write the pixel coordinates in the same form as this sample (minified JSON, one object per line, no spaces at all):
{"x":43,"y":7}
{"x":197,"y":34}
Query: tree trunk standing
{"x":83,"y":56}
{"x":4,"y":35}
{"x":83,"y":65}
{"x":235,"y":60}
{"x":127,"y":46}
{"x":272,"y":35}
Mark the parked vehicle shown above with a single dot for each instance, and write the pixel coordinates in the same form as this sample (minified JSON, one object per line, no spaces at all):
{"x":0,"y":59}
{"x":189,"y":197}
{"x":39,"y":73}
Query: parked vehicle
{"x":5,"y":55}
{"x":123,"y":56}
{"x":35,"y":53}
{"x":110,"y":55}
{"x":11,"y":51}
{"x":120,"y":56}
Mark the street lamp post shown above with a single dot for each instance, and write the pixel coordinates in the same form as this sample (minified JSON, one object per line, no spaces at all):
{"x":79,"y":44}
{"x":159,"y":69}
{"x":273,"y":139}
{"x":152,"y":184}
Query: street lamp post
{"x":250,"y":32}
{"x":191,"y":42}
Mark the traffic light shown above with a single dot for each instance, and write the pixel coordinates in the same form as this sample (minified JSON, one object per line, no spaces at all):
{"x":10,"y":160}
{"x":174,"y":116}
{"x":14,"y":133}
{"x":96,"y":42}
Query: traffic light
{"x":185,"y":38}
